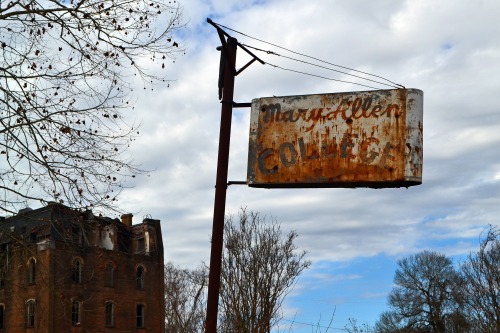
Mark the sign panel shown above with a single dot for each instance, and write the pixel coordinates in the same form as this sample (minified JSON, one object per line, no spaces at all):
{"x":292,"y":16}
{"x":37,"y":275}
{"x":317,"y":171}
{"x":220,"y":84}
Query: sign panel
{"x":355,"y":139}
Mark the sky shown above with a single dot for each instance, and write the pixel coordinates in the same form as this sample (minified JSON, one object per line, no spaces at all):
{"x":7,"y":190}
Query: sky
{"x":449,"y":49}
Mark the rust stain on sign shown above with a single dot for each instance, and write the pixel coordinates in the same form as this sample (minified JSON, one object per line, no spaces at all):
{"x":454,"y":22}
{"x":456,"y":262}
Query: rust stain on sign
{"x":355,"y":139}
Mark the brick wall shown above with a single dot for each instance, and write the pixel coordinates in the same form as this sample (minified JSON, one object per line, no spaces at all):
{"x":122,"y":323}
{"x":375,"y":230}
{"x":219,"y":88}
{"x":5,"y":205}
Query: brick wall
{"x":54,"y":289}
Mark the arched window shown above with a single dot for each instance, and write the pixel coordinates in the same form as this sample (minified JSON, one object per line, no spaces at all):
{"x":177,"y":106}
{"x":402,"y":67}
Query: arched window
{"x":110,"y":314}
{"x":30,"y":313}
{"x":75,"y":313}
{"x":31,"y":271}
{"x":76,"y":270}
{"x":110,"y":272}
{"x":140,"y":277}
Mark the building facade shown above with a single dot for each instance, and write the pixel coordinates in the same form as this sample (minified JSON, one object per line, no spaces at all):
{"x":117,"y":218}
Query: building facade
{"x":63,"y":270}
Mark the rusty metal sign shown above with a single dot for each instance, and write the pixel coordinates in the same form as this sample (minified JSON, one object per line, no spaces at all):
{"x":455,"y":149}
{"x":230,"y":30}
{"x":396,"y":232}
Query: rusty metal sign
{"x":355,"y":139}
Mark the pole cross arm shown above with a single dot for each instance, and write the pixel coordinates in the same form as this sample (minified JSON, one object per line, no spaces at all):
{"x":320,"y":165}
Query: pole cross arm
{"x":223,"y":33}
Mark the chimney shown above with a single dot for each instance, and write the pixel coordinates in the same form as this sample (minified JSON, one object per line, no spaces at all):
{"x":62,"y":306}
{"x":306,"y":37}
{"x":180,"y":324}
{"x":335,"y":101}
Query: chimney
{"x":127,"y":219}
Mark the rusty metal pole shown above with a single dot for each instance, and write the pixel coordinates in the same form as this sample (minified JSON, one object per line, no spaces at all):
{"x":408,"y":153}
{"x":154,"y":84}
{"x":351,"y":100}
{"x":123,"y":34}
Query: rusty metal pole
{"x":221,"y":186}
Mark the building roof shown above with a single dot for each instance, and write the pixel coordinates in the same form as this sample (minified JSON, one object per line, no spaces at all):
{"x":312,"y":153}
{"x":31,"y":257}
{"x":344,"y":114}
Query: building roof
{"x":48,"y":221}
{"x":30,"y":220}
{"x":57,"y":222}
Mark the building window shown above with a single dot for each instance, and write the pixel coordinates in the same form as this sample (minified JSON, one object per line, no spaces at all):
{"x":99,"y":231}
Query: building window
{"x":33,"y":237}
{"x":77,"y":234}
{"x":75,"y":313}
{"x":31,"y":271}
{"x":141,"y":245}
{"x":110,"y":314}
{"x":140,"y":277}
{"x":30,"y":313}
{"x":110,"y":271}
{"x":4,"y":260}
{"x":140,"y":315}
{"x":2,"y":312}
{"x":76,"y":271}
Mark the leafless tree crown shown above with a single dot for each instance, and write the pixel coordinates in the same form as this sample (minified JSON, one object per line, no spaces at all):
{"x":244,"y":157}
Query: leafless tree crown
{"x":423,"y":297}
{"x":259,"y":268}
{"x":185,"y":299}
{"x":481,"y":284}
{"x":431,"y":295}
{"x":67,"y":72}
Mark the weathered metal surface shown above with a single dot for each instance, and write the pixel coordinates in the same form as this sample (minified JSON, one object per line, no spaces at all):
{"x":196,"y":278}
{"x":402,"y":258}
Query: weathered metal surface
{"x":355,"y":139}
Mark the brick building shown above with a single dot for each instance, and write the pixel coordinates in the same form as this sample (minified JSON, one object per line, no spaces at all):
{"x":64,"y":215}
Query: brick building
{"x":64,"y":271}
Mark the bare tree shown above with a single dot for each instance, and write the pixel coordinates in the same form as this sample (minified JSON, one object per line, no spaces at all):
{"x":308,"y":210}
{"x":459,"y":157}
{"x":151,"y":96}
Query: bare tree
{"x":425,"y":293}
{"x":185,"y":299}
{"x":67,"y":72}
{"x":259,"y":268}
{"x":390,"y":322}
{"x":354,"y":327}
{"x":481,"y":287}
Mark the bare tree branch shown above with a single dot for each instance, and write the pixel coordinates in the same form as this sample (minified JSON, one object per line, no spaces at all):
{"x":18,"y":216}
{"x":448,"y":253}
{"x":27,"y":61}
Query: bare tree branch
{"x":67,"y":72}
{"x":185,"y":299}
{"x":259,"y":268}
{"x":481,"y":287}
{"x":424,"y":297}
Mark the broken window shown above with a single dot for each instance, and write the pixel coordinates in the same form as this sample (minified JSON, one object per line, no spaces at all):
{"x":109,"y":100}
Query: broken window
{"x":4,"y":260}
{"x":140,"y":315}
{"x":77,"y":234}
{"x":110,"y":313}
{"x":31,"y":271}
{"x":33,"y":237}
{"x":110,"y":271}
{"x":140,"y":277}
{"x":30,"y":313}
{"x":2,"y":312}
{"x":141,"y":245}
{"x":76,"y":271}
{"x":75,"y":313}
{"x":3,"y":268}
{"x":107,"y":237}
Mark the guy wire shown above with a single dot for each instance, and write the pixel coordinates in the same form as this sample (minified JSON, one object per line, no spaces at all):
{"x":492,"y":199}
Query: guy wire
{"x":311,"y":57}
{"x":319,"y":76}
{"x":319,"y":66}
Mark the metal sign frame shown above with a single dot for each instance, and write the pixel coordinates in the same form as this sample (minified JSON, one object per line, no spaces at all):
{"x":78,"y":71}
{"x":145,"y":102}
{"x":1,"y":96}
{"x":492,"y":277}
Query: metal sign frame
{"x":353,"y":139}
